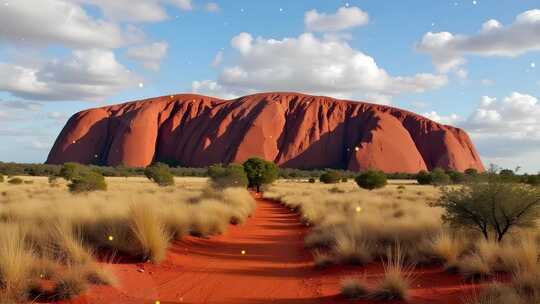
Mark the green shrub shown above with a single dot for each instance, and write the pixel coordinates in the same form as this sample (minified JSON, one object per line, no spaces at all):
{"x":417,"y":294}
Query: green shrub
{"x":371,"y":180}
{"x":160,"y":174}
{"x":1,"y":178}
{"x":533,"y":180}
{"x":330,"y":177}
{"x":344,"y":179}
{"x":15,"y":181}
{"x":471,"y":172}
{"x":311,"y":180}
{"x":232,"y":175}
{"x":71,"y":170}
{"x":260,"y":172}
{"x":492,"y":207}
{"x":53,"y":180}
{"x":439,"y":177}
{"x":88,"y":181}
{"x":457,"y":177}
{"x":424,"y":178}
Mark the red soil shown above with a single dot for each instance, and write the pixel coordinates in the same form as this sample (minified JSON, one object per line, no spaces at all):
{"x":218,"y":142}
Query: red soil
{"x":274,"y":269}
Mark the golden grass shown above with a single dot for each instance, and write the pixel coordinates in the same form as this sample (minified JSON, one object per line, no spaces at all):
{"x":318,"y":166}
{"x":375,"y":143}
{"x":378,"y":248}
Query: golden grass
{"x":150,"y":233}
{"x":48,"y":233}
{"x":397,"y":278}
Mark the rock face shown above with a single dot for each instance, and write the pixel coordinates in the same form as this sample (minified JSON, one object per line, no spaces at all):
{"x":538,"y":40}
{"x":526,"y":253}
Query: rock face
{"x":293,"y":130}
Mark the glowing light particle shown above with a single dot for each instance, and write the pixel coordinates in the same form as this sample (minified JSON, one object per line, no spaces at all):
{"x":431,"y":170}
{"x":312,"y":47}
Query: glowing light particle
{"x":243,"y":252}
{"x":158,"y":302}
{"x":474,"y":2}
{"x":141,"y":85}
{"x":111,"y":238}
{"x":356,"y":149}
{"x":533,"y":65}
{"x":358,"y":209}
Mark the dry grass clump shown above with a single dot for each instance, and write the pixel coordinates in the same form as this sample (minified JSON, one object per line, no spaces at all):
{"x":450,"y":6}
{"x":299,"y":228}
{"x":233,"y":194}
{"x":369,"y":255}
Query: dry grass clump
{"x":322,"y":260}
{"x":151,"y":235}
{"x":72,"y":283}
{"x":397,"y":278}
{"x":353,"y":289}
{"x":496,"y":293}
{"x":16,"y":261}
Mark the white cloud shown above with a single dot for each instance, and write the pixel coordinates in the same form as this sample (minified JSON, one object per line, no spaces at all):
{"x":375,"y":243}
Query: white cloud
{"x":150,"y":55}
{"x":447,"y":120}
{"x":448,"y":50}
{"x":56,"y":22}
{"x":58,"y":116}
{"x":344,"y":18}
{"x":217,"y":59}
{"x":487,"y":82}
{"x":212,"y":7}
{"x":86,"y":75}
{"x":313,"y":65}
{"x":137,"y":10}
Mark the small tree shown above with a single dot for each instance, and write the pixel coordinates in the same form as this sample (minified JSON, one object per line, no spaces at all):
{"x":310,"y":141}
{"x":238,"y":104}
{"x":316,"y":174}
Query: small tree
{"x":72,"y":170}
{"x":371,"y":180}
{"x":424,"y":178}
{"x":491,"y":207}
{"x":457,"y":177}
{"x":88,"y":181}
{"x":260,"y":172}
{"x":232,"y":175}
{"x":160,"y":174}
{"x":330,"y":177}
{"x":439,"y":177}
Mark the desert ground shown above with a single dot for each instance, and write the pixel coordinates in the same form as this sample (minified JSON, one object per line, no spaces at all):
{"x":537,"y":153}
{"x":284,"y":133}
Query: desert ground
{"x":297,"y":242}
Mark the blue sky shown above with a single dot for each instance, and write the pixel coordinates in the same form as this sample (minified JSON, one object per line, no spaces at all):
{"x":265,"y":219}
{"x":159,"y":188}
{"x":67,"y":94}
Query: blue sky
{"x":442,"y":59}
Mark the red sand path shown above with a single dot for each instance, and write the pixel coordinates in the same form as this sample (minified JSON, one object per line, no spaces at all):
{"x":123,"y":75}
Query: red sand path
{"x":274,"y":269}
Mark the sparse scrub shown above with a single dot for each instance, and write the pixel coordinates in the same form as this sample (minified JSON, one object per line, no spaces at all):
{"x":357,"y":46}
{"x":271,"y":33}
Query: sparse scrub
{"x":228,"y":176}
{"x":260,"y":172}
{"x":87,"y":181}
{"x":330,"y":177}
{"x":71,"y":284}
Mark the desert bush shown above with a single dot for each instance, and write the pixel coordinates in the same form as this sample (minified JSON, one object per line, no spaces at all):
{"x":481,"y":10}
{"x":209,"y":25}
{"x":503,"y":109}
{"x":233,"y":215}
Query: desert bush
{"x":533,"y":180}
{"x":87,"y":181}
{"x":311,"y":180}
{"x":15,"y":181}
{"x":69,"y":285}
{"x":439,"y":177}
{"x":492,"y":207}
{"x":71,"y":170}
{"x":260,"y":172}
{"x":1,"y":178}
{"x":371,"y":180}
{"x":344,"y":179}
{"x":496,"y":293}
{"x":53,"y":180}
{"x":322,"y":260}
{"x":353,"y":289}
{"x":228,"y":176}
{"x":424,"y":178}
{"x":448,"y":248}
{"x":457,"y":177}
{"x":160,"y":174}
{"x":330,"y":177}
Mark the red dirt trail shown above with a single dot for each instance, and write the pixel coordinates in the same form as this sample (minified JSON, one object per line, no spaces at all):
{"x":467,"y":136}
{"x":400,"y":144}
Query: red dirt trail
{"x":274,"y":269}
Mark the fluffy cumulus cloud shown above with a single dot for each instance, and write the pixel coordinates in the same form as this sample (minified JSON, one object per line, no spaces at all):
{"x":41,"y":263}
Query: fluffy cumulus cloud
{"x":150,"y":55}
{"x":506,"y":131}
{"x":313,"y":65}
{"x":451,"y":119}
{"x":86,"y":75}
{"x":56,"y":21}
{"x":344,"y":18}
{"x":449,"y":50}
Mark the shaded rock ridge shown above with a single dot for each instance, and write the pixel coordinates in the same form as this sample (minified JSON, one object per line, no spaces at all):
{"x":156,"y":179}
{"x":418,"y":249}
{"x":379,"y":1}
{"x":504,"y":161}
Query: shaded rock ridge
{"x":293,"y":130}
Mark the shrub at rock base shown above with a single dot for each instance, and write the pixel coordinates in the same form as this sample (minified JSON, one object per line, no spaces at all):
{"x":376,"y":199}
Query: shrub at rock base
{"x":232,"y":175}
{"x":330,"y":177}
{"x":260,"y":172}
{"x":88,"y":181}
{"x":15,"y":181}
{"x":160,"y":174}
{"x":371,"y":180}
